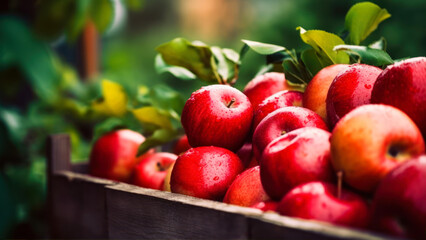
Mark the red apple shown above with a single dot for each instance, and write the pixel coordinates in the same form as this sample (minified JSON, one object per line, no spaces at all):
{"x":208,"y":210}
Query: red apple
{"x":266,"y":206}
{"x":371,"y":140}
{"x":350,"y":88}
{"x":245,"y":153}
{"x":246,"y":189}
{"x":217,"y":115}
{"x":316,"y":92}
{"x":281,"y":121}
{"x":300,"y":156}
{"x":263,"y":86}
{"x":205,"y":172}
{"x":113,"y":156}
{"x":151,"y":171}
{"x":399,"y":205}
{"x":278,"y":100}
{"x":319,"y":201}
{"x":403,"y":85}
{"x":181,"y":145}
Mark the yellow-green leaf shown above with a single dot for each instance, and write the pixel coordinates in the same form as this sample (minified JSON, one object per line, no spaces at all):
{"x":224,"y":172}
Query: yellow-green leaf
{"x":362,"y":19}
{"x":114,"y":100}
{"x":323,"y":43}
{"x":152,"y":115}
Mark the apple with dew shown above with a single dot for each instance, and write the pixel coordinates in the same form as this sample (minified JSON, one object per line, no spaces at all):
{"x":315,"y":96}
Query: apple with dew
{"x":350,"y":88}
{"x":246,"y":189}
{"x":316,"y":91}
{"x":399,"y":204}
{"x":151,"y":171}
{"x":320,"y":201}
{"x":217,"y":115}
{"x":266,"y":206}
{"x":278,"y":100}
{"x":281,"y":121}
{"x":263,"y":86}
{"x":181,"y":145}
{"x":113,"y":156}
{"x":371,"y":140}
{"x":205,"y":172}
{"x":300,"y":156}
{"x":403,"y":85}
{"x":245,"y":153}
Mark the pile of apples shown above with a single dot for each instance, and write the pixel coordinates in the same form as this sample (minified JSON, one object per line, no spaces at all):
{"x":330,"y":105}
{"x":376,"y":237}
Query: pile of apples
{"x":349,"y":150}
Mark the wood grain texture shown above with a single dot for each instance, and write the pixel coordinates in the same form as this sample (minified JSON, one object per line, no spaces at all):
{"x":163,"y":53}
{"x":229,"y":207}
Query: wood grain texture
{"x":78,"y":207}
{"x":139,"y":213}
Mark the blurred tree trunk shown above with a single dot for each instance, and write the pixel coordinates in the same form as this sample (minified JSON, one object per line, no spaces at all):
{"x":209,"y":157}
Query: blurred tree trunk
{"x":210,"y":19}
{"x":89,"y":46}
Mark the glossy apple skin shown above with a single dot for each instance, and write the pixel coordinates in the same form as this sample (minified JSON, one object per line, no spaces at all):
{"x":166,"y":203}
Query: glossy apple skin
{"x":266,"y":206}
{"x":246,"y":189}
{"x":113,"y":156}
{"x":208,"y":119}
{"x":205,"y":172}
{"x":263,"y":86}
{"x":297,"y":157}
{"x":403,"y":85}
{"x":318,"y":201}
{"x":278,"y":100}
{"x":399,"y":204}
{"x":151,"y":171}
{"x":181,"y":145}
{"x":370,"y":141}
{"x":245,"y":153}
{"x":316,"y":91}
{"x":351,"y":88}
{"x":283,"y":120}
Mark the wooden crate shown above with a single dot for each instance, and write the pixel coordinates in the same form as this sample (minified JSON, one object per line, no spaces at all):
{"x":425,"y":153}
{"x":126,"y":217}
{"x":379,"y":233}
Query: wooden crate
{"x":82,"y":206}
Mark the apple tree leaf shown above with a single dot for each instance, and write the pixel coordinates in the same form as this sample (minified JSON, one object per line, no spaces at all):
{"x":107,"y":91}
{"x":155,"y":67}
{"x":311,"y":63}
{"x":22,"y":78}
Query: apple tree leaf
{"x":367,"y":55}
{"x":312,"y":61}
{"x":380,"y":44}
{"x":263,"y":48}
{"x":197,"y":58}
{"x":159,"y":137}
{"x":362,"y":19}
{"x":152,"y":115}
{"x":323,"y":43}
{"x":179,"y":72}
{"x":113,"y":101}
{"x":102,"y":14}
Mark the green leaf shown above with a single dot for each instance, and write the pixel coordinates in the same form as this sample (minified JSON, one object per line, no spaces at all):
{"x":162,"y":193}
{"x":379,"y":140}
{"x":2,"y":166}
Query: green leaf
{"x":379,"y":44}
{"x":323,"y":43}
{"x":362,"y":19}
{"x":370,"y":56}
{"x":312,"y":61}
{"x":159,"y":137}
{"x":231,"y":55}
{"x":195,"y":57}
{"x":179,"y":72}
{"x":102,"y":14}
{"x":78,"y":19}
{"x":263,"y":48}
{"x":18,"y":47}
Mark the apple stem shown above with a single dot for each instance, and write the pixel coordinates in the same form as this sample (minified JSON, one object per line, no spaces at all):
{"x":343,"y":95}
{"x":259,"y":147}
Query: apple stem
{"x":160,"y":167}
{"x":339,"y":184}
{"x":230,"y":103}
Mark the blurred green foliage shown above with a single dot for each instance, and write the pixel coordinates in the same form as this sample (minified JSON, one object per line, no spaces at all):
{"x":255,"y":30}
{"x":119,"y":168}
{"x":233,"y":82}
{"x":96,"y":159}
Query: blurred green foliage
{"x":41,"y":92}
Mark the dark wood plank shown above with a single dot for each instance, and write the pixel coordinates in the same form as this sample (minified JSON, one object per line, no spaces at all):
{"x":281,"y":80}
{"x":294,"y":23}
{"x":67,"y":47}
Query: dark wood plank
{"x":80,"y":168}
{"x":139,"y":213}
{"x":274,"y":226}
{"x":78,"y":207}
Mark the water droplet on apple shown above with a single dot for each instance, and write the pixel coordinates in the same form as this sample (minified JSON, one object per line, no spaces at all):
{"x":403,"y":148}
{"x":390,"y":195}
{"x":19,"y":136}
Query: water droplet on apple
{"x":216,"y":178}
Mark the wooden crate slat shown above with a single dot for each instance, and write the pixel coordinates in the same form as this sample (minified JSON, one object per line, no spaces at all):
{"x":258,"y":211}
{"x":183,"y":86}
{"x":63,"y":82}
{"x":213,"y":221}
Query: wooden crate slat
{"x":149,"y":214}
{"x":78,"y":206}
